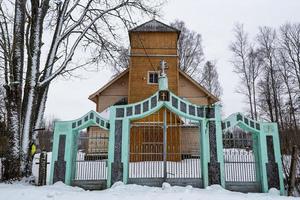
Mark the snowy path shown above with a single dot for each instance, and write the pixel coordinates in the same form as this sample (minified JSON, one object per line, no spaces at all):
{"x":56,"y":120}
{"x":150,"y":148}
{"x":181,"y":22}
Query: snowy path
{"x":59,"y":191}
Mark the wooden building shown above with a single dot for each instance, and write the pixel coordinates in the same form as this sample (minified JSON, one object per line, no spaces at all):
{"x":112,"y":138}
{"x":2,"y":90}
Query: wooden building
{"x":150,"y":43}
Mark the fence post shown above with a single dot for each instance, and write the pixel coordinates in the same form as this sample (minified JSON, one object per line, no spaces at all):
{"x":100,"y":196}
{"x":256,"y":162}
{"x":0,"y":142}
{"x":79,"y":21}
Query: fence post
{"x":42,"y":168}
{"x":293,"y":170}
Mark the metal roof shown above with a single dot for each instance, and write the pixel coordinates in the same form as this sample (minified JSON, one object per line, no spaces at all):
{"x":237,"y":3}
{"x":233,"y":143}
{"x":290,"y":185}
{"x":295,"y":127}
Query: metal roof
{"x":154,"y":26}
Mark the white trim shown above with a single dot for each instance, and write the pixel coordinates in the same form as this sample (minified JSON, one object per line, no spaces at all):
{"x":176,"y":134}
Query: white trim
{"x":148,"y":77}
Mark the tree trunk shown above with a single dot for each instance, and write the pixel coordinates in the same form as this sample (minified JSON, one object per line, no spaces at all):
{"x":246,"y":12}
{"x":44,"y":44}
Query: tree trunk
{"x":14,"y":93}
{"x":254,"y":99}
{"x":273,"y":87}
{"x":268,"y":98}
{"x":250,"y":100}
{"x":33,"y":67}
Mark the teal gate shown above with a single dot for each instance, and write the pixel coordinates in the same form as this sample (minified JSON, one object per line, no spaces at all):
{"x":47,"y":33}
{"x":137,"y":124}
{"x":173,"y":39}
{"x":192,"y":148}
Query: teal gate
{"x":90,"y":165}
{"x":250,"y":161}
{"x":241,"y":161}
{"x":165,"y":148}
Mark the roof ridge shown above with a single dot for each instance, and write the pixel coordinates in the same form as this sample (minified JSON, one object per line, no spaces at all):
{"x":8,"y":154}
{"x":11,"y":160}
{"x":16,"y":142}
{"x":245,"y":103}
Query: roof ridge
{"x":163,"y":27}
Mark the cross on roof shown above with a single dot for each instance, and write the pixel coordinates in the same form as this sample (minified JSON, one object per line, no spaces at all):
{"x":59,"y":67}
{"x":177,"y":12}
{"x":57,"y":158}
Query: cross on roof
{"x":163,"y":66}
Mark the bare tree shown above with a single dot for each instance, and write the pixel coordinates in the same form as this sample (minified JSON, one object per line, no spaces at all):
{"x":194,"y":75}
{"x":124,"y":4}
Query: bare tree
{"x":190,"y":51}
{"x":71,"y":27}
{"x":271,"y":76}
{"x":291,"y":102}
{"x":290,"y":42}
{"x":290,"y":67}
{"x":267,"y":42}
{"x":12,"y":49}
{"x":255,"y":63}
{"x":210,"y":79}
{"x":243,"y":61}
{"x":122,"y":61}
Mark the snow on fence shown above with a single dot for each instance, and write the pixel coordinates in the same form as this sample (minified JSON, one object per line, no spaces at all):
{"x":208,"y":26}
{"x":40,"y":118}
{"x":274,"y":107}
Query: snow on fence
{"x":240,"y":165}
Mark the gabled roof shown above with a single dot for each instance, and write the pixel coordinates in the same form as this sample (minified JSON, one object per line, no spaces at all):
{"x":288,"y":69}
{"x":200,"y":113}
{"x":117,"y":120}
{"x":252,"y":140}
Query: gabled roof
{"x":92,"y":96}
{"x":154,"y":26}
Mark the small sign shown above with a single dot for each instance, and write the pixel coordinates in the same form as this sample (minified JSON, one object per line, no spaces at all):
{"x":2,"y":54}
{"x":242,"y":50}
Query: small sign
{"x":164,"y":95}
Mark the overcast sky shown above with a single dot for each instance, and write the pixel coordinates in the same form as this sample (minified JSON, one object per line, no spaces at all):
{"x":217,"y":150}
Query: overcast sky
{"x":214,"y":20}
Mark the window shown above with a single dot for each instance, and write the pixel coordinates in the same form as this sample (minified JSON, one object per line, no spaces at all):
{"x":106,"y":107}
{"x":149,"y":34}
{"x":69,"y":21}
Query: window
{"x":152,"y":77}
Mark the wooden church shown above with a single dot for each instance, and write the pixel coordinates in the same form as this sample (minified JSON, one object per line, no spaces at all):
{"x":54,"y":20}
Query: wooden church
{"x":150,"y":43}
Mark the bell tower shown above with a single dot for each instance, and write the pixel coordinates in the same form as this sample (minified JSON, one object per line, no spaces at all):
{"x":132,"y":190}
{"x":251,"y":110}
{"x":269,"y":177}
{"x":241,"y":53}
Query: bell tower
{"x":151,"y":43}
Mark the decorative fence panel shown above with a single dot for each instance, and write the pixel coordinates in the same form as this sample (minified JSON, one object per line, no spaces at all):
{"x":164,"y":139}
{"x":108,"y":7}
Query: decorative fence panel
{"x":240,"y":162}
{"x":165,"y":147}
{"x":91,"y":159}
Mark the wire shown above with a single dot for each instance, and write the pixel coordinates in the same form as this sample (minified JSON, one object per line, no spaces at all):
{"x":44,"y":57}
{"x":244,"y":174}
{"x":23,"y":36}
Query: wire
{"x":138,"y":34}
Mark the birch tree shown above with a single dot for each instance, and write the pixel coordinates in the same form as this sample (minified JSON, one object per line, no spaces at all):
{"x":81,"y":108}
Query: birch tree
{"x":241,"y":50}
{"x":190,"y":51}
{"x":267,"y":42}
{"x":46,"y":35}
{"x":210,"y":79}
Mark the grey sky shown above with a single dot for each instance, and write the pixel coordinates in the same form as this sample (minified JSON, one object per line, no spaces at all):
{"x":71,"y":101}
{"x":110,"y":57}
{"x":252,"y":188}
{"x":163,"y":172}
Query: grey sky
{"x":214,"y":19}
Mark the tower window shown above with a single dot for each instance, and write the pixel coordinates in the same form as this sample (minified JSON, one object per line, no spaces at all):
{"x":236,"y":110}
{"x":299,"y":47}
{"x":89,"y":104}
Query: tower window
{"x":152,"y":77}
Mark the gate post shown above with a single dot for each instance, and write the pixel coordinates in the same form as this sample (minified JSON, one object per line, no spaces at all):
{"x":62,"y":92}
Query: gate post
{"x":262,"y":150}
{"x":204,"y":152}
{"x":125,"y":148}
{"x":274,"y":164}
{"x":215,"y":145}
{"x":61,"y":166}
{"x":257,"y":151}
{"x":219,"y":141}
{"x":111,"y":143}
{"x":115,"y":164}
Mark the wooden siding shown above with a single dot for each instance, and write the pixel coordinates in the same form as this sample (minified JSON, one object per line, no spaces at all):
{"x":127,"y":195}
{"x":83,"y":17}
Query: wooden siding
{"x":151,"y":40}
{"x":158,"y":46}
{"x":134,"y":84}
{"x":190,"y":140}
{"x":146,"y":140}
{"x":97,"y":146}
{"x":191,"y":92}
{"x":113,"y":93}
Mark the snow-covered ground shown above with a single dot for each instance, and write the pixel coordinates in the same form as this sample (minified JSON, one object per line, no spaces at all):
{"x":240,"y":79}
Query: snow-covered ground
{"x":59,"y":191}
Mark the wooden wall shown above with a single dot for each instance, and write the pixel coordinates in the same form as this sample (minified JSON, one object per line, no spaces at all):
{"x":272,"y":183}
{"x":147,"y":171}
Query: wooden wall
{"x":146,"y":140}
{"x":113,"y":93}
{"x":96,"y":146}
{"x":158,"y":46}
{"x":190,"y":141}
{"x":191,"y":92}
